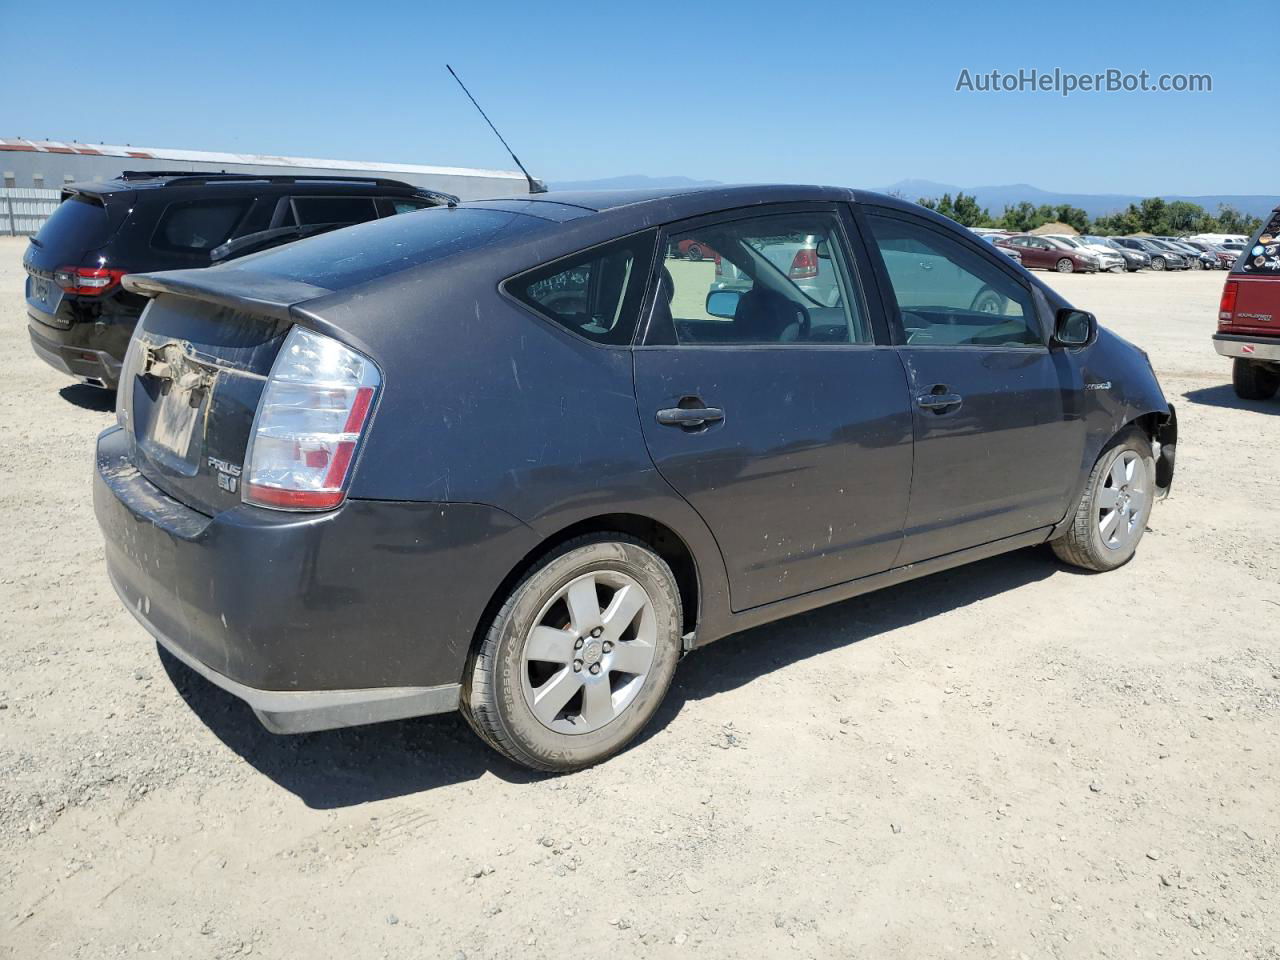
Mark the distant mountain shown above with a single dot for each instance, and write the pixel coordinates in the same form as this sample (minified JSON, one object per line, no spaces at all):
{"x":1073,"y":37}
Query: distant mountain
{"x":996,"y":199}
{"x":634,"y":181}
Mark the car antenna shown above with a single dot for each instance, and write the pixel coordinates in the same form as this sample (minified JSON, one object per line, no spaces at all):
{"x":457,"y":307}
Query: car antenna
{"x":535,"y":186}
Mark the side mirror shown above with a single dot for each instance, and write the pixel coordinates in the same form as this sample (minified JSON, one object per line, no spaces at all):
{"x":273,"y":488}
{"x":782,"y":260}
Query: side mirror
{"x":1074,"y":328}
{"x":723,"y":303}
{"x":823,"y":249}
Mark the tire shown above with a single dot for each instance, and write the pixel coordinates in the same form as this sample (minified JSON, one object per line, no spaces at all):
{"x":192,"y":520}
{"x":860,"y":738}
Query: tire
{"x":989,"y":301}
{"x":1094,"y":540}
{"x":1157,"y":263}
{"x":1253,"y":381}
{"x":1066,"y":266}
{"x":694,"y":252}
{"x":531,"y":709}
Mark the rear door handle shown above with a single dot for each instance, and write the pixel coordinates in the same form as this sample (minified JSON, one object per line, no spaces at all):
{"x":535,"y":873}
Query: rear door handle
{"x":939,"y":401}
{"x":690,"y":417}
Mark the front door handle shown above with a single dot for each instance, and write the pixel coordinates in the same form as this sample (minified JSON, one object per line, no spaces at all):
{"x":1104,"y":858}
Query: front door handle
{"x":690,"y":417}
{"x":939,"y":402}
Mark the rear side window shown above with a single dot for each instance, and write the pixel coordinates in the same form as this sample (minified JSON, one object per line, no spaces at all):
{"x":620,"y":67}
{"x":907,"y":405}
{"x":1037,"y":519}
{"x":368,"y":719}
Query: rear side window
{"x":313,"y":210}
{"x":198,"y":225}
{"x":595,"y":294}
{"x":1263,"y":255}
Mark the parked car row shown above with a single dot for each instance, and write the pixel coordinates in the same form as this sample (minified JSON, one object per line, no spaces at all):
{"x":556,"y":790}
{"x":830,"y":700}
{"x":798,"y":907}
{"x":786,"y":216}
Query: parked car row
{"x":1091,"y":253}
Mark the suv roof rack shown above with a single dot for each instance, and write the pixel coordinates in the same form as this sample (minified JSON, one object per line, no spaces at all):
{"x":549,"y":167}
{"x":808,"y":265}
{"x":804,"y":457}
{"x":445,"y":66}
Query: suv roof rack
{"x":186,"y":177}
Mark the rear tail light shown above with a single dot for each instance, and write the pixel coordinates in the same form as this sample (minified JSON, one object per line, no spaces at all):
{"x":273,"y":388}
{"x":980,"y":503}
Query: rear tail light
{"x":313,"y":412}
{"x":804,"y":265}
{"x":1227,"y":308}
{"x":87,"y":281}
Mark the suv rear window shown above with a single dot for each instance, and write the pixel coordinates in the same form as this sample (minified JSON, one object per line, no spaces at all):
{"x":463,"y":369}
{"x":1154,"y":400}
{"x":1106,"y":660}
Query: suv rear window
{"x":198,"y":224}
{"x":76,"y":226}
{"x":1262,"y":256}
{"x":367,"y":251}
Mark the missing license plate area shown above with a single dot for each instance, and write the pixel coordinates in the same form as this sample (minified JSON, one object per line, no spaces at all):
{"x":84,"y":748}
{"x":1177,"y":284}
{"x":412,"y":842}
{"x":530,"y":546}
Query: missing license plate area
{"x":175,"y":389}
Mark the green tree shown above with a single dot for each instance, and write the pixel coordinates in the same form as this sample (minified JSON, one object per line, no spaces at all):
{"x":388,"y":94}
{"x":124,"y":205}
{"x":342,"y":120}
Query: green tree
{"x":1073,"y":216}
{"x":1152,"y":213}
{"x":964,"y":209}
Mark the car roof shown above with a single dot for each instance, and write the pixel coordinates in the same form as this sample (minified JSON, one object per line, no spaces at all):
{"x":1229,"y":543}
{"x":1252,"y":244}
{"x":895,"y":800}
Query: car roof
{"x":648,"y":207}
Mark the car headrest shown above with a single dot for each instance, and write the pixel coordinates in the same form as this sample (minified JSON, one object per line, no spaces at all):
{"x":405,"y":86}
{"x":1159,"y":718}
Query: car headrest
{"x":766,"y":316}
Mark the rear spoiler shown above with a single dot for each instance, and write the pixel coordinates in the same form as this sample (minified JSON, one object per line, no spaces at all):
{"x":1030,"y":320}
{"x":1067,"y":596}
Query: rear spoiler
{"x":246,"y":290}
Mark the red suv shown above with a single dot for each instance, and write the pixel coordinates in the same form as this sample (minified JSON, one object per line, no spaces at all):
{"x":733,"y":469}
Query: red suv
{"x":1249,"y":315}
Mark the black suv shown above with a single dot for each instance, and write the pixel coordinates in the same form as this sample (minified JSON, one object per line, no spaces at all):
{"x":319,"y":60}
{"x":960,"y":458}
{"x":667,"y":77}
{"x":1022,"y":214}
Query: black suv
{"x":80,"y":317}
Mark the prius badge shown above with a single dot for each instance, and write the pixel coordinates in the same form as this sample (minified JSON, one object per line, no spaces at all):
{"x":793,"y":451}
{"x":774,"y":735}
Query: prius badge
{"x":228,"y":474}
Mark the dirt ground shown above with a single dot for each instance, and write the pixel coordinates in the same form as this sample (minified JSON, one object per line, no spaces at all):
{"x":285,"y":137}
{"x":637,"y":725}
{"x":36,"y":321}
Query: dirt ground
{"x":1007,"y":760}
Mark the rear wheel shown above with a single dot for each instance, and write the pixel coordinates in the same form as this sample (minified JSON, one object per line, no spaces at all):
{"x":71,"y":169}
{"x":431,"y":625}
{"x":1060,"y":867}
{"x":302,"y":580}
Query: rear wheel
{"x":579,"y":656}
{"x":694,"y":252}
{"x":1113,"y":511}
{"x":1065,"y":265}
{"x":1254,"y":381}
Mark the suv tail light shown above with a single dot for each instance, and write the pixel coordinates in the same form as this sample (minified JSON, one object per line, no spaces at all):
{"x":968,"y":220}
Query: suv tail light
{"x":804,"y":265}
{"x":87,"y":281}
{"x":1227,"y":307}
{"x":313,"y":412}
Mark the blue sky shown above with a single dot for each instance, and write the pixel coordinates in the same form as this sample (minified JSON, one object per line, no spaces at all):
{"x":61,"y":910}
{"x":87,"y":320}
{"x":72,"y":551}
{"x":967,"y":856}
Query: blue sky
{"x":814,"y":91}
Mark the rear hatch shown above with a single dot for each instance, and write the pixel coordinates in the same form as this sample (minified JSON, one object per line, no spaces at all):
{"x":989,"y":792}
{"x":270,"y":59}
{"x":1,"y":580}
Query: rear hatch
{"x":83,"y":223}
{"x":193,"y":376}
{"x":1256,"y":278}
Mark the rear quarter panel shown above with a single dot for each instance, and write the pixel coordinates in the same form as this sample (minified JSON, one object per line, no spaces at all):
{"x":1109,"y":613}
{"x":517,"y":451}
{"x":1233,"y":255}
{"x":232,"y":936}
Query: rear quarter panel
{"x":485,"y":402}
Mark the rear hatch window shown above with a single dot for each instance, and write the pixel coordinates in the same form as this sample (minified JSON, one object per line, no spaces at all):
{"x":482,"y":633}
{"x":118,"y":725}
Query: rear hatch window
{"x":188,"y":394}
{"x":1262,"y":255}
{"x":80,"y":225}
{"x":380,"y":248}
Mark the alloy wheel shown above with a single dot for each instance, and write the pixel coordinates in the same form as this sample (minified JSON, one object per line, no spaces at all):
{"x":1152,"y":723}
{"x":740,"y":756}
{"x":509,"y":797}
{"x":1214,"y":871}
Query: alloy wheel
{"x":1122,"y":500}
{"x":588,"y":653}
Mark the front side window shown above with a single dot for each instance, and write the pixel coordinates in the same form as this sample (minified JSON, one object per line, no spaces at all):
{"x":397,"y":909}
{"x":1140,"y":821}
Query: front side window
{"x":595,"y":294}
{"x":778,"y":279}
{"x":950,"y":295}
{"x":198,"y":225}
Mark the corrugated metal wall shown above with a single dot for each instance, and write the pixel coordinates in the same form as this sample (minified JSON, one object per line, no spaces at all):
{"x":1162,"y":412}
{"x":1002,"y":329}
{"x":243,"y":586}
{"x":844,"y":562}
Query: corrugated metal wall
{"x":23,"y":210}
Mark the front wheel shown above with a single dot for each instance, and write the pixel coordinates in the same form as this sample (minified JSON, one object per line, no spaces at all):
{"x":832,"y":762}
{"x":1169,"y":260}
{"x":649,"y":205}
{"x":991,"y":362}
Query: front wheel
{"x":1113,"y":511}
{"x":1157,"y":263}
{"x":579,"y":656}
{"x":1253,"y":381}
{"x":1065,"y":265}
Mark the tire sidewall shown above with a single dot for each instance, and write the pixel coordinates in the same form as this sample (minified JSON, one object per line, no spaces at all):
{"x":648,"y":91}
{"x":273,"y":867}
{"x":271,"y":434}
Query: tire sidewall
{"x":1107,"y":557}
{"x":567,"y":751}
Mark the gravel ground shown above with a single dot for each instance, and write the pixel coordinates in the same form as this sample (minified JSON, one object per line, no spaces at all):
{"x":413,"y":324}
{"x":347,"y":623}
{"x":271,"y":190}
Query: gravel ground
{"x":1006,"y":760}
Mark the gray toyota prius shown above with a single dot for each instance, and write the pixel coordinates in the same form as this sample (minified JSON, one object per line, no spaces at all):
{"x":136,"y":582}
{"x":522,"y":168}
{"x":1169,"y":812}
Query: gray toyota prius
{"x":516,"y":457}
